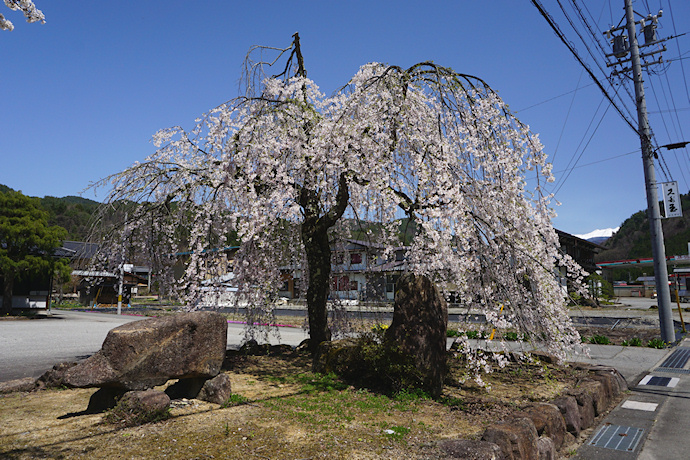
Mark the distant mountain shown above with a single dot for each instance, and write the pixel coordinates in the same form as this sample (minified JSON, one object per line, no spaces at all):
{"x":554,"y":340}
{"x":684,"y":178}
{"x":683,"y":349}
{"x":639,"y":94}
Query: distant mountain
{"x":599,"y":236}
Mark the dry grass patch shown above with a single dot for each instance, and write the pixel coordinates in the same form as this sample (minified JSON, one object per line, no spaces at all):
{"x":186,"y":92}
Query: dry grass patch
{"x":284,"y":412}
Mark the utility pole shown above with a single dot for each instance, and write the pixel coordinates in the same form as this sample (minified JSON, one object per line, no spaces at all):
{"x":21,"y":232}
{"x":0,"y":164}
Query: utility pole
{"x":653,"y":213}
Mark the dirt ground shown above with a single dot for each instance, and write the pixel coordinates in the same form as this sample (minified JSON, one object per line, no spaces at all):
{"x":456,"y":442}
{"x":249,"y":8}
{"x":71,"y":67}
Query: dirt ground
{"x":282,"y":411}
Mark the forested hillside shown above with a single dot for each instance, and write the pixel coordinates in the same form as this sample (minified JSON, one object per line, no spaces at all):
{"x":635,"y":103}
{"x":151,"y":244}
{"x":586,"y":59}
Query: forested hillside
{"x":73,"y":213}
{"x":633,"y":240}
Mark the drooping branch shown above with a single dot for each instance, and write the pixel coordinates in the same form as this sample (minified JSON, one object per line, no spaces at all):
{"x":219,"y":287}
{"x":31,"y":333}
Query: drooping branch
{"x":284,"y":163}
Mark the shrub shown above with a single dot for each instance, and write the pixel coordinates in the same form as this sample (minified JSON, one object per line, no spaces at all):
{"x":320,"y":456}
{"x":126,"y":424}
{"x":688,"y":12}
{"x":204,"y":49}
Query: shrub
{"x":411,"y":395}
{"x":512,"y":336}
{"x":370,"y":363}
{"x":320,"y":382}
{"x":476,"y":335}
{"x":379,"y":328}
{"x":634,"y":342}
{"x":453,"y":333}
{"x":68,"y":305}
{"x":600,"y":340}
{"x":235,"y":400}
{"x":656,"y":343}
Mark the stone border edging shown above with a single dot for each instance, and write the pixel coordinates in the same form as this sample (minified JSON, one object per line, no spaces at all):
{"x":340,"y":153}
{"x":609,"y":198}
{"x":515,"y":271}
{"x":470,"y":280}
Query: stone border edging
{"x":539,"y":431}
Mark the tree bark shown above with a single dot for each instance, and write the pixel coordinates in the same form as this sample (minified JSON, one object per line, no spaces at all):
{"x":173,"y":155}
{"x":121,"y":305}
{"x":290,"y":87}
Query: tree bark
{"x":8,"y":287}
{"x":318,"y":250}
{"x":318,"y":253}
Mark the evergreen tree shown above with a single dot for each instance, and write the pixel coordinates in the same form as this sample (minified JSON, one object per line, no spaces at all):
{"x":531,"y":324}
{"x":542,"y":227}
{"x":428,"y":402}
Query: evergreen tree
{"x":27,"y":242}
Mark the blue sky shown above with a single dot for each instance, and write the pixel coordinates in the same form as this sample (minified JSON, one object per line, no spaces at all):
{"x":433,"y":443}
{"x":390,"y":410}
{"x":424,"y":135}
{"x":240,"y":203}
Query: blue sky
{"x":82,"y":95}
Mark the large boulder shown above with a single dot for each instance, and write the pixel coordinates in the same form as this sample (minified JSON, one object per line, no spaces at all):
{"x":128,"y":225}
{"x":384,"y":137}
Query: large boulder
{"x":343,"y":357}
{"x":186,"y":388}
{"x":612,"y":380}
{"x":585,"y":406}
{"x":419,"y":327}
{"x":547,"y":448}
{"x":139,"y":407}
{"x":143,"y":354}
{"x":12,"y":386}
{"x":597,"y":390}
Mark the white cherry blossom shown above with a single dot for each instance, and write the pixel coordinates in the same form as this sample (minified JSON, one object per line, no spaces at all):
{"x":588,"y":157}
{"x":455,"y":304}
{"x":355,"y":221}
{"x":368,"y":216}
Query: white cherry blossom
{"x":286,"y":169}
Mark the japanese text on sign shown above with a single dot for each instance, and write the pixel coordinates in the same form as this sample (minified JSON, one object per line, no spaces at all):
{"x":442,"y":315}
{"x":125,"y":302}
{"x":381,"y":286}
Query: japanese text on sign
{"x":672,"y":204}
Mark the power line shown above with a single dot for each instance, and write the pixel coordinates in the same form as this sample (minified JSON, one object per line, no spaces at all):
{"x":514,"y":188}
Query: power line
{"x":682,"y":67}
{"x":570,"y":47}
{"x":554,"y":98}
{"x":656,"y":98}
{"x":663,"y":166}
{"x":679,"y":168}
{"x":584,"y":21}
{"x":565,"y":122}
{"x":601,"y":48}
{"x":668,"y":134}
{"x":673,"y":101}
{"x":598,"y":161}
{"x":592,"y":163}
{"x":682,"y":109}
{"x":562,"y":182}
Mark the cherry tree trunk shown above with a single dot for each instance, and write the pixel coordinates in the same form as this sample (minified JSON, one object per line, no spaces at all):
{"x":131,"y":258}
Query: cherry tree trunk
{"x":318,"y":253}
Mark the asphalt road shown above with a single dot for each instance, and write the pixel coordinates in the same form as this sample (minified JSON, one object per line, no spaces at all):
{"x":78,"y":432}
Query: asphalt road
{"x":30,"y":347}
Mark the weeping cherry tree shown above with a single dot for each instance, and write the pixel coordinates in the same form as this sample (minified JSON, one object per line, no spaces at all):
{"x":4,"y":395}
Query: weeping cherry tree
{"x":282,"y":166}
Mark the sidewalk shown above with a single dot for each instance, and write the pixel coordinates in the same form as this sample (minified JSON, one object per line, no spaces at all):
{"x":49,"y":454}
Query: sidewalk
{"x":651,"y":422}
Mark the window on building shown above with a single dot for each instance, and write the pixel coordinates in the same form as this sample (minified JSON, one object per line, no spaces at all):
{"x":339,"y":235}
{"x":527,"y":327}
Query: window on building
{"x":340,"y":283}
{"x":356,"y":258}
{"x":390,"y":282}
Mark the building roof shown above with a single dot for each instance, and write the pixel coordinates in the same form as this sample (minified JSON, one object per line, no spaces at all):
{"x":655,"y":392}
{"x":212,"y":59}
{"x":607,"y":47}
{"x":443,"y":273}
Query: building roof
{"x":77,"y":250}
{"x":593,"y":246}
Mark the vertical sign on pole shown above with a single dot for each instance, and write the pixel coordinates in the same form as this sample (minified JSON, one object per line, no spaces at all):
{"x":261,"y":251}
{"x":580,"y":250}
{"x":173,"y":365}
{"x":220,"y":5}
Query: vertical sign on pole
{"x":672,"y":204}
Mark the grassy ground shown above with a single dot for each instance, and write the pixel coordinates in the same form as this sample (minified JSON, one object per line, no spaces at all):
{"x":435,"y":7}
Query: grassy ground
{"x":279,"y":410}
